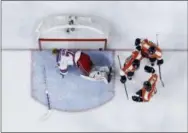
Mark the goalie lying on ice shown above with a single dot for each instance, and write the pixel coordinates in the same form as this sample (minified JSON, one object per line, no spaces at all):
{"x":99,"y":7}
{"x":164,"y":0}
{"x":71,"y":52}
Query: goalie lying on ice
{"x":82,"y":61}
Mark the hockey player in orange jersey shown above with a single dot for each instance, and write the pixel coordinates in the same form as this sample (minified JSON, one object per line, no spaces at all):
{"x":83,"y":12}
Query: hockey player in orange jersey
{"x":149,"y":87}
{"x":132,"y":63}
{"x":149,"y":50}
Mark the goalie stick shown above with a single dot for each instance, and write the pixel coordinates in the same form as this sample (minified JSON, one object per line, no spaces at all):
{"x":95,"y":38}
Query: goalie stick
{"x":159,"y":66}
{"x":124,"y":83}
{"x":46,"y":115}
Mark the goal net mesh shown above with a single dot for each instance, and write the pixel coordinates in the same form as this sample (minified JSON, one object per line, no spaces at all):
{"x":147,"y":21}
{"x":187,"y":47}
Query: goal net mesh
{"x":73,"y":32}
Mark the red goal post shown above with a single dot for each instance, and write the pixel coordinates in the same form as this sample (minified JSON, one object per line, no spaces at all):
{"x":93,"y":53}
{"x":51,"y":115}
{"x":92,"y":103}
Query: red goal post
{"x":90,"y":32}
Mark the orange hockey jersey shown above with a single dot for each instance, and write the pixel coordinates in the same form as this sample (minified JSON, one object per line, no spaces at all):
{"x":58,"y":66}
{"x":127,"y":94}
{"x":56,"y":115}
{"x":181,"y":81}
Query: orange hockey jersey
{"x":148,"y":95}
{"x":146,"y":44}
{"x":128,"y":67}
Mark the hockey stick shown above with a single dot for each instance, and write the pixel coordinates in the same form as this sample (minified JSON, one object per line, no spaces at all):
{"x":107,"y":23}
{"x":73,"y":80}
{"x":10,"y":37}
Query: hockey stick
{"x":159,"y":66}
{"x":124,"y":83}
{"x":46,"y":115}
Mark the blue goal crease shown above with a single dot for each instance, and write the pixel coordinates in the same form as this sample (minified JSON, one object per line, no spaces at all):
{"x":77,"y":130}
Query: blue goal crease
{"x":71,"y":93}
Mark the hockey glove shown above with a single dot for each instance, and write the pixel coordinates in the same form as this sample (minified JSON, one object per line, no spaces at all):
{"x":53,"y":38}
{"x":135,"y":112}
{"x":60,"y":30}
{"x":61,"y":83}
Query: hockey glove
{"x":152,"y":60}
{"x":160,"y":62}
{"x":139,"y":93}
{"x":138,"y":48}
{"x":123,"y":79}
{"x":130,"y":75}
{"x":149,"y":69}
{"x":137,"y":99}
{"x":137,"y":41}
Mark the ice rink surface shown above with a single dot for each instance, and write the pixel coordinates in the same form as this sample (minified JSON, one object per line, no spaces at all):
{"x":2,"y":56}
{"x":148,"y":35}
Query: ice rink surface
{"x":166,"y":112}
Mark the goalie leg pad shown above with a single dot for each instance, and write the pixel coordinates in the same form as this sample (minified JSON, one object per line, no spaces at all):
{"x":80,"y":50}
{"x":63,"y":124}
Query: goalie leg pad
{"x":102,"y":69}
{"x":99,"y":76}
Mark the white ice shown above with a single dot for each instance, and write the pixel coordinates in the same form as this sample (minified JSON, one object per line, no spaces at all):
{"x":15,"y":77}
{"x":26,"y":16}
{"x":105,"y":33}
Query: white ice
{"x":166,"y":112}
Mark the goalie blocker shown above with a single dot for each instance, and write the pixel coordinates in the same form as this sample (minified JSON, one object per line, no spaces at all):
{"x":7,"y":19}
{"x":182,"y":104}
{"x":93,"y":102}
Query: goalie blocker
{"x":82,"y":61}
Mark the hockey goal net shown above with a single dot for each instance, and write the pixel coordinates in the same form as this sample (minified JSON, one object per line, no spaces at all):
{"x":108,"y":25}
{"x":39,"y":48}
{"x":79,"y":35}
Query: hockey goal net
{"x":73,"y":32}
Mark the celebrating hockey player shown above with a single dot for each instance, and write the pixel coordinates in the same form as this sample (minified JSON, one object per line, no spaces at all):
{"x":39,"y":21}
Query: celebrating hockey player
{"x":149,"y":50}
{"x":82,"y":61}
{"x":132,"y":63}
{"x":149,"y":87}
